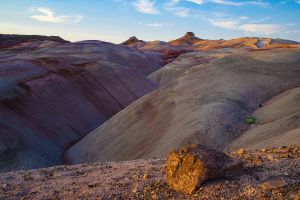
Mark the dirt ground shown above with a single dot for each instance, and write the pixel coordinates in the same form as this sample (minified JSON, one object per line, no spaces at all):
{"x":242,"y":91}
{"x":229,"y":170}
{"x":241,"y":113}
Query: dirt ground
{"x":267,"y":174}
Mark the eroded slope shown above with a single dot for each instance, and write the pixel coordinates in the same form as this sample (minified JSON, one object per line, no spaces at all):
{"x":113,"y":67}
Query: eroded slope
{"x":53,"y":94}
{"x":207,"y":104}
{"x":277,"y":123}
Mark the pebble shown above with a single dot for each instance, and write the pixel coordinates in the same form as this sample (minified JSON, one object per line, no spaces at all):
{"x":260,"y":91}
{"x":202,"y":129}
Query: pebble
{"x":240,"y":152}
{"x":270,"y":157}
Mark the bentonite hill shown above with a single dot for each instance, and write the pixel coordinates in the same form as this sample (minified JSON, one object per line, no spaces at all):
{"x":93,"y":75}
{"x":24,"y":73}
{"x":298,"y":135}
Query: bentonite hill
{"x":117,"y":110}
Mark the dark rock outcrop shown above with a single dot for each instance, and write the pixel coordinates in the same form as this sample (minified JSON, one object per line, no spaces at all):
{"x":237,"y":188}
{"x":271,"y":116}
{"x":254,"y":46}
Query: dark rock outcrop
{"x":190,"y":36}
{"x":131,"y":40}
{"x":188,"y":39}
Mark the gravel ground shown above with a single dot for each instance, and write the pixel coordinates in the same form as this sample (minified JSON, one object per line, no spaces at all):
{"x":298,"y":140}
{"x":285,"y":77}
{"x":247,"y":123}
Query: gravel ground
{"x":268,"y":174}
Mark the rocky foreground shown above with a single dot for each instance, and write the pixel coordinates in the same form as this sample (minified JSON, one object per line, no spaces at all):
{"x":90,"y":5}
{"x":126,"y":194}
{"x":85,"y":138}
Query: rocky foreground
{"x":266,"y":174}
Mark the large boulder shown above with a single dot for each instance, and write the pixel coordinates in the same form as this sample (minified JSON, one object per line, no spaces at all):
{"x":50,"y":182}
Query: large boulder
{"x":189,"y":168}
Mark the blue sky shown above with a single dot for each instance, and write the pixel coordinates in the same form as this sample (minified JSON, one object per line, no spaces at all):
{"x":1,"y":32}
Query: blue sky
{"x":116,"y":20}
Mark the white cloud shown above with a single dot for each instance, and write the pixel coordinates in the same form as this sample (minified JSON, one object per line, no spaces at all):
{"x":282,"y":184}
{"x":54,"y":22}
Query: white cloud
{"x":227,"y":2}
{"x":234,"y":3}
{"x":238,"y":24}
{"x":261,"y":19}
{"x":292,"y":31}
{"x":261,"y":3}
{"x":145,"y":6}
{"x":181,"y":11}
{"x":172,"y":7}
{"x":172,"y":3}
{"x":267,"y":29}
{"x":197,"y":1}
{"x":298,"y":1}
{"x":154,"y":25}
{"x":228,"y":24}
{"x":44,"y":14}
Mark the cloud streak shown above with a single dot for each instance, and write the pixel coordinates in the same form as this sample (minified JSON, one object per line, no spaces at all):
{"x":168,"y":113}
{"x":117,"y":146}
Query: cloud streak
{"x":149,"y":7}
{"x":174,"y":7}
{"x":199,"y":2}
{"x":238,"y":24}
{"x":44,"y":14}
{"x":154,"y":25}
{"x":180,"y":11}
{"x":146,"y":6}
{"x":222,"y":2}
{"x":235,"y":3}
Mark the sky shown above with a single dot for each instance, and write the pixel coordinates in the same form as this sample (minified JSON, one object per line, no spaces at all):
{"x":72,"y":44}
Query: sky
{"x":117,"y":20}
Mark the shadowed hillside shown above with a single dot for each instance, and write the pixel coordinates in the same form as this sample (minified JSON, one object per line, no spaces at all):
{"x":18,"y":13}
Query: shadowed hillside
{"x":53,"y":94}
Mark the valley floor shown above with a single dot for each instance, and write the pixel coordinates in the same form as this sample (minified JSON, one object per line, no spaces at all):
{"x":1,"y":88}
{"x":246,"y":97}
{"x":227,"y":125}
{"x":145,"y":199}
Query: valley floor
{"x":267,"y":174}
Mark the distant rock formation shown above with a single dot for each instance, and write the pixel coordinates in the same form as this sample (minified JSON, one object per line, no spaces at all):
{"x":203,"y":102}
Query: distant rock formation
{"x":190,"y":36}
{"x":188,"y":39}
{"x":7,"y":41}
{"x":131,"y":40}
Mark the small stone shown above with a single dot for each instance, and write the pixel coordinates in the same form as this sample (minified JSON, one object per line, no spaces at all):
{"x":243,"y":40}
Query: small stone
{"x":258,"y":160}
{"x":92,"y":185}
{"x":240,"y":152}
{"x":273,"y":184}
{"x":134,"y":190}
{"x":146,"y":175}
{"x":270,"y":157}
